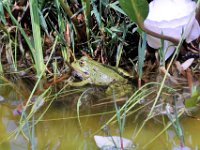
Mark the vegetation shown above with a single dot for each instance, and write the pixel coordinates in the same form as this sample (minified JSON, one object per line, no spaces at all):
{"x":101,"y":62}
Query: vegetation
{"x":40,"y":39}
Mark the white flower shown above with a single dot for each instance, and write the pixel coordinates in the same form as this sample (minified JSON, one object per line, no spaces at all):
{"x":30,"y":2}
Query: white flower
{"x":171,"y":18}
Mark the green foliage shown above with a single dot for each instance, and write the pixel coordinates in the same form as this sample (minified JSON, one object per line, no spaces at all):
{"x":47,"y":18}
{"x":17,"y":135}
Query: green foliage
{"x":141,"y":53}
{"x":137,"y":10}
{"x":97,"y":14}
{"x":1,"y":66}
{"x":28,"y":41}
{"x":35,"y":21}
{"x":161,"y":53}
{"x":2,"y":16}
{"x":174,"y":118}
{"x":43,"y":22}
{"x":120,"y":46}
{"x":121,"y":118}
{"x":116,"y":7}
{"x":87,"y":15}
{"x":194,"y":99}
{"x":36,"y":50}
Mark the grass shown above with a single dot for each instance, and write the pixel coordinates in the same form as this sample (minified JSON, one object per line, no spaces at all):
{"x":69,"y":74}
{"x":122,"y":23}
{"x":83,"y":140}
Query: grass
{"x":38,"y":51}
{"x":60,"y":32}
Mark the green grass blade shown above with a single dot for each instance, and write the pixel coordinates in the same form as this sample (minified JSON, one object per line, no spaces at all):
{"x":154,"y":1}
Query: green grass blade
{"x":2,"y":15}
{"x":35,"y":21}
{"x":141,"y":54}
{"x":79,"y":103}
{"x":87,"y":15}
{"x":6,"y":6}
{"x":120,"y":46}
{"x":116,"y":7}
{"x":43,"y":22}
{"x":96,"y":14}
{"x":34,"y":89}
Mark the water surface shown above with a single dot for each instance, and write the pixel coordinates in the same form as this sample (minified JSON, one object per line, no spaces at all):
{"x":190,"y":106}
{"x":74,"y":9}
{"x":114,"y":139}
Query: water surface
{"x":59,"y":129}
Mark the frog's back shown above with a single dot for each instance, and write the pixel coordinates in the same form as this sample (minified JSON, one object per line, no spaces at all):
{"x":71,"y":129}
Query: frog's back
{"x":98,"y":73}
{"x":104,"y":75}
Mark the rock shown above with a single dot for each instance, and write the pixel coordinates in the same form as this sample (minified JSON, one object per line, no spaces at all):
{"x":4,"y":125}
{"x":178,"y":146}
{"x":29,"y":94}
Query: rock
{"x":112,"y":142}
{"x":2,"y":98}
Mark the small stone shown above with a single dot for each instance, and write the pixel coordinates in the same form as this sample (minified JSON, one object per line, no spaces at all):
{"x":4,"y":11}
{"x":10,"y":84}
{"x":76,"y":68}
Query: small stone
{"x":112,"y":142}
{"x":2,"y":98}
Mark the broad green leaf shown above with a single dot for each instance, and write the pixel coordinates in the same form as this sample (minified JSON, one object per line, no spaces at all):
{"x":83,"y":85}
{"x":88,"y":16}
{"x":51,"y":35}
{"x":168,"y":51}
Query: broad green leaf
{"x":137,"y":10}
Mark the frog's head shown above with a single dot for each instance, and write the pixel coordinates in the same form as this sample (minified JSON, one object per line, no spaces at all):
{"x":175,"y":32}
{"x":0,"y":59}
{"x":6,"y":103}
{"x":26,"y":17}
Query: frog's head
{"x":81,"y":68}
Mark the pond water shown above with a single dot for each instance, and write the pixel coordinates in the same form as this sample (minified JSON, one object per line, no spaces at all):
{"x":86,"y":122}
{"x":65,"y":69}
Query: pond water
{"x":59,"y":129}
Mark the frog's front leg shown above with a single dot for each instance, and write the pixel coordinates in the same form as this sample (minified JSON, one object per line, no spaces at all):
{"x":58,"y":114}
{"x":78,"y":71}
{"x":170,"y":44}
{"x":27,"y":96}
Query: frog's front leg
{"x":80,"y":83}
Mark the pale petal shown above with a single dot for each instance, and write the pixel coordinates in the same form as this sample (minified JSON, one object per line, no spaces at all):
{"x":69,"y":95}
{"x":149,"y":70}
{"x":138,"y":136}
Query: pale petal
{"x":194,"y":32}
{"x":187,"y":63}
{"x":171,"y":18}
{"x":170,"y":9}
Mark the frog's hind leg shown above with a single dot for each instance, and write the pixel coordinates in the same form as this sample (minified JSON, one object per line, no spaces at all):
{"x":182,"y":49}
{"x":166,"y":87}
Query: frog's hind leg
{"x":119,"y":89}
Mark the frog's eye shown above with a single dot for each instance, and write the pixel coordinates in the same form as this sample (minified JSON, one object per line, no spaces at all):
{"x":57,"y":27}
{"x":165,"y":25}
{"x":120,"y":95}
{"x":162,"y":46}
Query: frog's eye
{"x":81,"y":63}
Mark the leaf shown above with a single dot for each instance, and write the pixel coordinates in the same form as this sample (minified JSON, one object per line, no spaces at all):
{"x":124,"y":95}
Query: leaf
{"x":116,"y":7}
{"x":35,"y":22}
{"x":185,"y":65}
{"x":96,"y":14}
{"x":2,"y":16}
{"x":87,"y":15}
{"x":194,"y":99}
{"x":137,"y":10}
{"x":141,"y":53}
{"x":43,"y":22}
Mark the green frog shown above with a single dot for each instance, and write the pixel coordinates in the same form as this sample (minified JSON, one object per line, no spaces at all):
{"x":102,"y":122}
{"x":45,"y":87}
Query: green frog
{"x":92,"y":72}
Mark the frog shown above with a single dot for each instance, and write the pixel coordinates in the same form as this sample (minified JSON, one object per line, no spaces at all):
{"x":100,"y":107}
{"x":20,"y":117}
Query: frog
{"x":95,"y":73}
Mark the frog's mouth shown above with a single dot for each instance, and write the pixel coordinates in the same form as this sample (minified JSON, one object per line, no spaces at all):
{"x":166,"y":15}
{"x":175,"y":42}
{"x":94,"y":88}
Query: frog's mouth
{"x":80,"y":74}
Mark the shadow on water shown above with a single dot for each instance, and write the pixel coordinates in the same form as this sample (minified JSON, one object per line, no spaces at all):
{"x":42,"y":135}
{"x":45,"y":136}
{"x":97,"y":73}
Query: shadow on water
{"x":59,"y":129}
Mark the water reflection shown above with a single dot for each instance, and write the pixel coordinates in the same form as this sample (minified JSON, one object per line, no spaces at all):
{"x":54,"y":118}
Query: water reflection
{"x":9,"y":124}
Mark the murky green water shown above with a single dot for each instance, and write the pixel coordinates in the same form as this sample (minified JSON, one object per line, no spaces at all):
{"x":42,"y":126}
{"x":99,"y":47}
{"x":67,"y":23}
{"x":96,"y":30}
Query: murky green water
{"x":60,"y":130}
